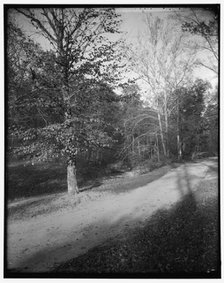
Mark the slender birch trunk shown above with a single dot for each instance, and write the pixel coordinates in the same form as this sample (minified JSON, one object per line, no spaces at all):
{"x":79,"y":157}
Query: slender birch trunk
{"x":179,"y":148}
{"x":162,"y":135}
{"x":157,"y":144}
{"x":166,"y":127}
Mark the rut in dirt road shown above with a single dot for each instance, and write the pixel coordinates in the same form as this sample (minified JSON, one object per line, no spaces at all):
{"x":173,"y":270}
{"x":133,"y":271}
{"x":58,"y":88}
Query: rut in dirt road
{"x":43,"y":243}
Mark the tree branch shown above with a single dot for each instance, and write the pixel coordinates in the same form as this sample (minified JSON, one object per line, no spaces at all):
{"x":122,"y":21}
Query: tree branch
{"x":38,"y":22}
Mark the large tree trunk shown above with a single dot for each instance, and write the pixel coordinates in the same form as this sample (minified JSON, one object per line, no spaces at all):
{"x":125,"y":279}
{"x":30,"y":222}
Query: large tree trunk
{"x":71,"y":178}
{"x":71,"y":167}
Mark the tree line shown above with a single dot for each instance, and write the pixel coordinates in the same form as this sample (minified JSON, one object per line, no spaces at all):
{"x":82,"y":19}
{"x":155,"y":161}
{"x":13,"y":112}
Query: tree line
{"x":63,"y":103}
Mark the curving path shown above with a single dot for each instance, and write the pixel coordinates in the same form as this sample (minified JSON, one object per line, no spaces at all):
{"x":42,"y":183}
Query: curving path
{"x":42,"y":243}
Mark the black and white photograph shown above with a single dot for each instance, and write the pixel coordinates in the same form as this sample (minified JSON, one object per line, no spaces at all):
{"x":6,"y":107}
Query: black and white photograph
{"x":112,"y":141}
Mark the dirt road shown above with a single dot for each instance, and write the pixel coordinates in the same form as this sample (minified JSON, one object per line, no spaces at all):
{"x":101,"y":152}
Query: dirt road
{"x":40,"y":244}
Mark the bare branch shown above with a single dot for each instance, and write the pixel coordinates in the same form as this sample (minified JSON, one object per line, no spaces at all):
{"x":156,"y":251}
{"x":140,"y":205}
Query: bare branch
{"x":30,"y":16}
{"x":206,"y":66}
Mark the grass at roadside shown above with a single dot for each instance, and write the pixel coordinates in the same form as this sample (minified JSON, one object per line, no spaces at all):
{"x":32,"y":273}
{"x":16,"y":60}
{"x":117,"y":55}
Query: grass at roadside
{"x":24,"y":180}
{"x":51,"y":178}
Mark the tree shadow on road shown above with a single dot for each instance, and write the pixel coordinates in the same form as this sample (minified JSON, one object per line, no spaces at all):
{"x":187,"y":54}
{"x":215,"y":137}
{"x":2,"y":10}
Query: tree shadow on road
{"x":181,"y":242}
{"x":183,"y":185}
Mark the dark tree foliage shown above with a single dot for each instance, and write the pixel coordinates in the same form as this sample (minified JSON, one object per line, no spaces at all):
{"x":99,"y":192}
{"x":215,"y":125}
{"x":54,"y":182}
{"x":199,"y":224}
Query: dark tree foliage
{"x":190,"y":116}
{"x":211,"y":125}
{"x":61,"y":84}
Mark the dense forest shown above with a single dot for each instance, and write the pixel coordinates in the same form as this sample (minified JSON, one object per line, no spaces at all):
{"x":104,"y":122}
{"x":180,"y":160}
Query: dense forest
{"x":97,"y":103}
